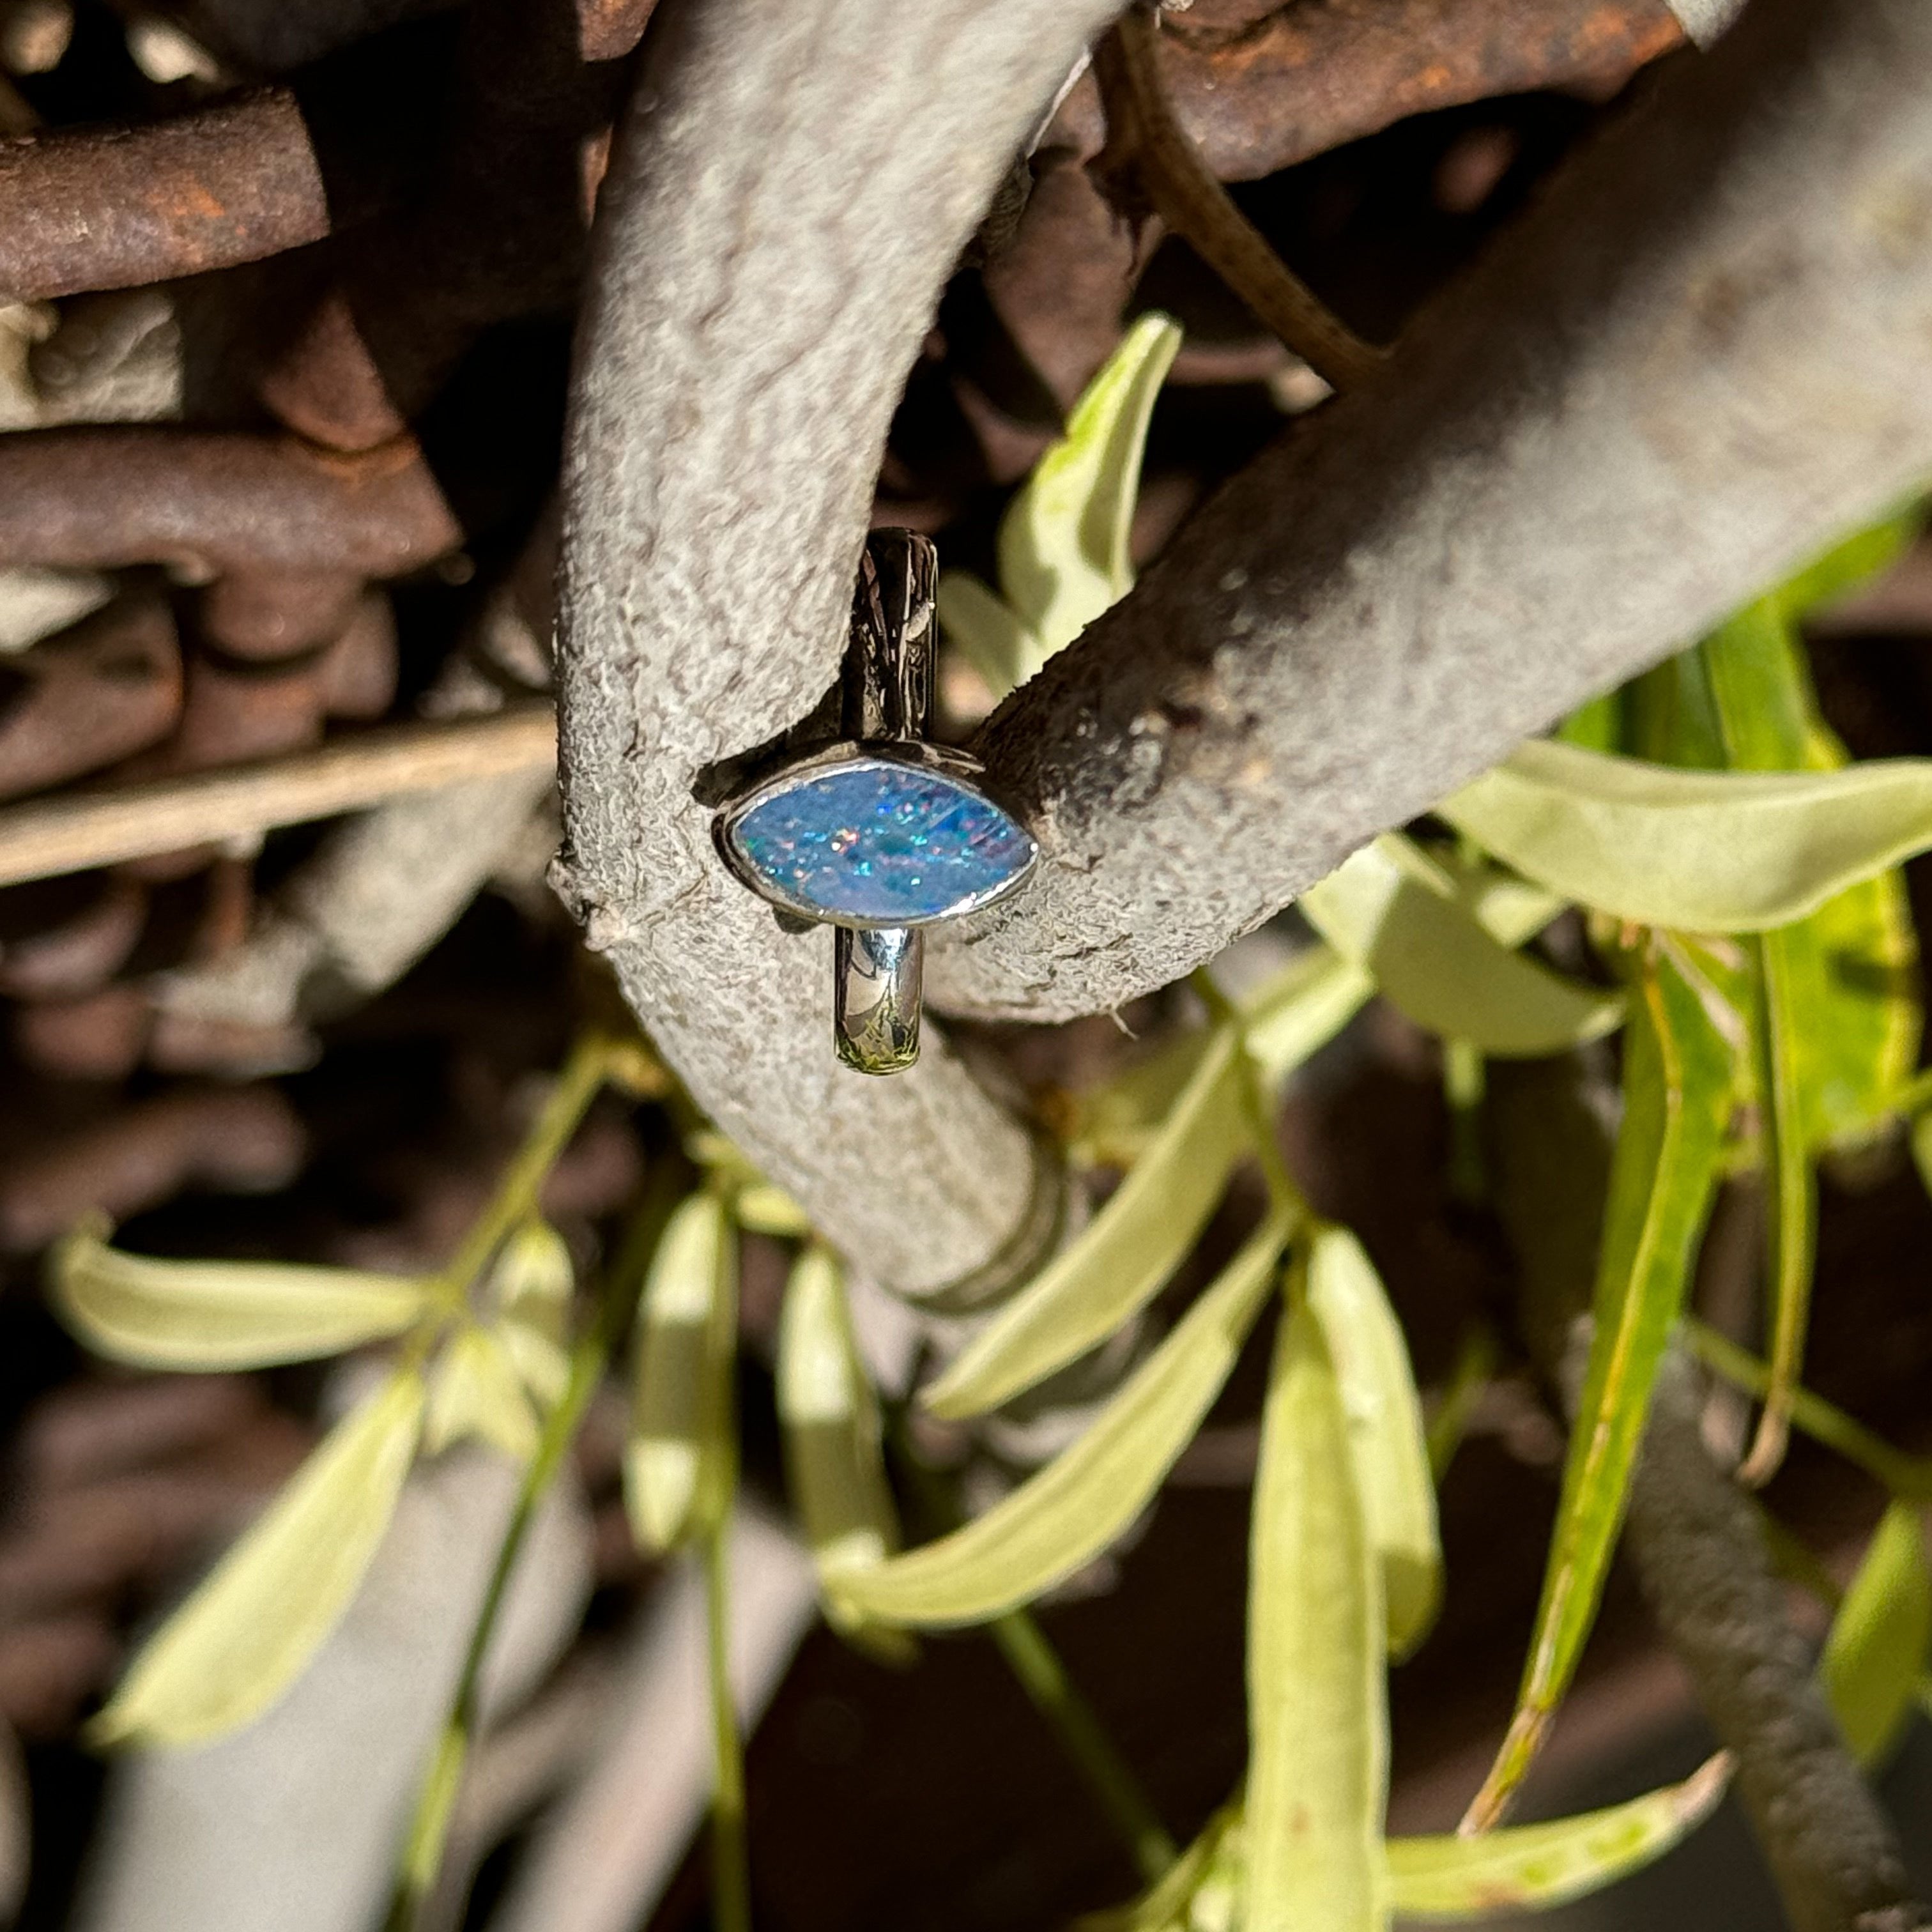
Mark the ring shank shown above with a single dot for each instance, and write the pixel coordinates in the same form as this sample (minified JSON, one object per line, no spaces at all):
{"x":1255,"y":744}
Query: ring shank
{"x":877,"y":981}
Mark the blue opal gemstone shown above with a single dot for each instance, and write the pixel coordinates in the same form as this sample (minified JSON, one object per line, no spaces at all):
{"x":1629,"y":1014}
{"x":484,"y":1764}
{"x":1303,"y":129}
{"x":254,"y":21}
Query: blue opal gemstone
{"x":881,"y":844}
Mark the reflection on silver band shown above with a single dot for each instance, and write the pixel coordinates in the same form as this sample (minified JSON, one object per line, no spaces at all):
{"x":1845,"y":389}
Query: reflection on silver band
{"x":876,"y":983}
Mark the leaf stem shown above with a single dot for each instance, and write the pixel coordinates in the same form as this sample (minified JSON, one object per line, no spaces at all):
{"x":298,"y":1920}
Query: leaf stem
{"x":1042,"y":1675}
{"x":515,"y":1198}
{"x":730,"y":1872}
{"x":1908,"y":1477}
{"x":1282,"y":1193}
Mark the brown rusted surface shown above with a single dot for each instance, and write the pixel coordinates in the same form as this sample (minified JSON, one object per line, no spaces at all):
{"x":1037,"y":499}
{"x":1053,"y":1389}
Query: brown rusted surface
{"x":101,"y":207}
{"x":107,"y":687}
{"x":149,"y":494}
{"x":1259,"y":94}
{"x":98,"y":1036}
{"x":324,"y":384}
{"x":262,"y":615}
{"x":356,"y":673}
{"x":607,"y":29}
{"x":237,"y":1140}
{"x":62,"y":937}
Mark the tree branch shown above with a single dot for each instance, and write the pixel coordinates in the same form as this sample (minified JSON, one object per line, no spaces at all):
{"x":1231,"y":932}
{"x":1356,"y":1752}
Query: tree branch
{"x":794,"y":181}
{"x":1697,"y":359}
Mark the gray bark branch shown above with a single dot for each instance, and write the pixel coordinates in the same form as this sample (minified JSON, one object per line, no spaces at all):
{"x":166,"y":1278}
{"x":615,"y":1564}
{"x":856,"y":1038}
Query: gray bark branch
{"x":1699,"y":357}
{"x":794,"y":181}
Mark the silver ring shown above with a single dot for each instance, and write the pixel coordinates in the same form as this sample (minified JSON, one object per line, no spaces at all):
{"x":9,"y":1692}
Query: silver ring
{"x":881,"y":834}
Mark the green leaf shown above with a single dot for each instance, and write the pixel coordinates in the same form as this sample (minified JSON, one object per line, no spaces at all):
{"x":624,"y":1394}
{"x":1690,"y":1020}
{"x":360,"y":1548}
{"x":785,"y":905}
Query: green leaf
{"x":1071,"y":1510}
{"x":830,"y":1417}
{"x":1063,"y":544}
{"x":1391,"y":910}
{"x":1165,"y":1905}
{"x":766,"y":1210}
{"x":223,"y":1315}
{"x":1678,"y":1086}
{"x":1878,"y":1640}
{"x":529,"y":1290}
{"x":1704,"y":851}
{"x":1119,"y":1261}
{"x":1534,"y":1866}
{"x":1849,"y":563}
{"x":1780,"y":1023}
{"x":245,"y":1635}
{"x":1385,"y":1430}
{"x":996,"y":644}
{"x":678,"y":1463}
{"x":476,"y":1394}
{"x":1318,"y":1724}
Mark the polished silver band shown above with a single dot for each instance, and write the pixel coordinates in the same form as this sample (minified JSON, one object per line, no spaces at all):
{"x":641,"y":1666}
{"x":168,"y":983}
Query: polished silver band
{"x":889,"y":670}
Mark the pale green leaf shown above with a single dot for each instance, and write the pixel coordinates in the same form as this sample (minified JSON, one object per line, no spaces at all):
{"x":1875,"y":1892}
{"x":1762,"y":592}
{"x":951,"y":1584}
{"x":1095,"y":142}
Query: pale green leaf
{"x":1532,"y":1867}
{"x":1705,"y":851}
{"x":1068,"y":1512}
{"x":677,"y":1467}
{"x":529,"y":1290}
{"x":1164,"y":1907}
{"x":1678,"y":1086}
{"x":1119,"y":1261}
{"x":223,"y":1315}
{"x":996,"y":644}
{"x":476,"y":1393}
{"x":247,"y":1633}
{"x":1063,"y":544}
{"x":1877,"y":1648}
{"x":1385,"y":1430}
{"x":1317,"y":1722}
{"x":1391,"y":911}
{"x":830,"y":1418}
{"x":766,"y":1210}
{"x":1294,"y":1014}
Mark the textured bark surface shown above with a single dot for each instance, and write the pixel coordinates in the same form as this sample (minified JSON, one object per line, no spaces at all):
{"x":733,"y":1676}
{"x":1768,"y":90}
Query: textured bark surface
{"x":793,"y":182}
{"x":1695,"y":1536}
{"x":1699,"y":356}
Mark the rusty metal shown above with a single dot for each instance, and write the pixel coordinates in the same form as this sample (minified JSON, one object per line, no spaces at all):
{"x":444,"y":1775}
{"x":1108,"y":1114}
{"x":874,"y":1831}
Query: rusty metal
{"x":109,"y":687}
{"x":210,"y":503}
{"x":1256,"y":94}
{"x":62,"y":937}
{"x":112,"y":207}
{"x":608,"y":29}
{"x":264,"y":615}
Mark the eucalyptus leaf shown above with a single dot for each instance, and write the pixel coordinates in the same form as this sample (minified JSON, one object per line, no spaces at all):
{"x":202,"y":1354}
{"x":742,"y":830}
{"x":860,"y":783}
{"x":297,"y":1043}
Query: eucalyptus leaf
{"x":766,"y":1210}
{"x":830,"y":1418}
{"x":1068,"y":1512}
{"x":476,"y":1394}
{"x":1119,"y":1261}
{"x":247,"y":1633}
{"x":1317,"y":1724}
{"x":1386,"y":1434}
{"x":1704,"y":851}
{"x":1534,"y":1866}
{"x":1063,"y":543}
{"x":197,"y":1315}
{"x":1877,"y":1648}
{"x":1391,"y":911}
{"x":529,"y":1293}
{"x":1677,"y":1090}
{"x":1849,"y":562}
{"x":678,"y":1460}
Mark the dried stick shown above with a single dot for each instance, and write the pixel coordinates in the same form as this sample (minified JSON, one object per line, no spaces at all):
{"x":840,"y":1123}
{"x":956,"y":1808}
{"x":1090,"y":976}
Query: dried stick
{"x":1199,"y":208}
{"x":1707,"y":1573}
{"x":100,"y":827}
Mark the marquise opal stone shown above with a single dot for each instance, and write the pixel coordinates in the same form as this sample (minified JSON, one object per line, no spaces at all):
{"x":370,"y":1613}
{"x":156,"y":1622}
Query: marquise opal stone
{"x":882,"y":844}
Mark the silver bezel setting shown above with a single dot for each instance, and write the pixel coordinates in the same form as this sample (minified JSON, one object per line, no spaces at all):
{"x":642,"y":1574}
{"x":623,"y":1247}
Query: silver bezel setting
{"x":851,"y":755}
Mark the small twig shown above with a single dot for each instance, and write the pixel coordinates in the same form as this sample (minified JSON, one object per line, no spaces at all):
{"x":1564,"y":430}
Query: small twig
{"x":103,"y":825}
{"x":1697,"y":1544}
{"x":730,"y":1868}
{"x":1053,"y":1694}
{"x":1198,"y":208}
